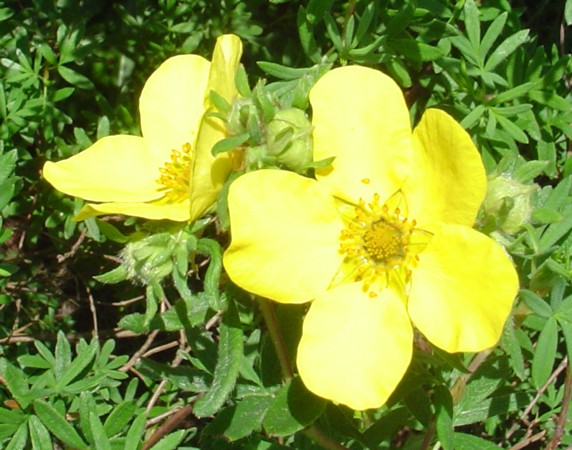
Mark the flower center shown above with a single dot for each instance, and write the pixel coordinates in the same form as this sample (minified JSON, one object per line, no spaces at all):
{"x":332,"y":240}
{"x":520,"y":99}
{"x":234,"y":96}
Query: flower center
{"x":176,"y":174}
{"x":380,"y":242}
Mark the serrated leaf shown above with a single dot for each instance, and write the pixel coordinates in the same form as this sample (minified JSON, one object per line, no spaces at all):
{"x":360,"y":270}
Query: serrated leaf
{"x":496,"y":405}
{"x":293,"y":409}
{"x":58,"y":425}
{"x":7,"y":164}
{"x":240,"y":420}
{"x":511,"y":346}
{"x":444,"y":416}
{"x":545,"y":352}
{"x":230,"y":350}
{"x":470,"y":442}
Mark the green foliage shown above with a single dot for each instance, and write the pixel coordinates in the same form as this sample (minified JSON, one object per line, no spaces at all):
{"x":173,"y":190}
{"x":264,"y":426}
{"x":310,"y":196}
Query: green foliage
{"x":180,"y":358}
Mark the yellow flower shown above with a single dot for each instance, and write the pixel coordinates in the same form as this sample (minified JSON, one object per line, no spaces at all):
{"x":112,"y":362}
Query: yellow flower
{"x":381,"y":240}
{"x":169,"y":173}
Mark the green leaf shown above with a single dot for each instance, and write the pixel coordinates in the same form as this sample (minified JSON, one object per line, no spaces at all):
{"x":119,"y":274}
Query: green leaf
{"x":512,"y":94}
{"x":529,"y":171}
{"x":545,"y":352}
{"x":512,"y":129}
{"x":100,"y":438}
{"x":511,"y":346}
{"x":496,"y":405}
{"x":114,"y":276}
{"x":77,"y":79}
{"x":224,"y":145}
{"x":7,"y":190}
{"x":316,"y":9}
{"x":507,"y":47}
{"x":58,"y":425}
{"x":240,"y":420}
{"x":546,"y":215}
{"x":568,"y":12}
{"x":415,"y":50}
{"x":293,"y":409}
{"x":566,"y":328}
{"x":537,"y":304}
{"x":241,"y":82}
{"x":17,"y":383}
{"x":230,"y":350}
{"x":419,"y":404}
{"x":135,"y":432}
{"x":7,"y":164}
{"x":557,"y":230}
{"x":444,"y":416}
{"x":211,"y":248}
{"x":281,"y":72}
{"x":493,"y":32}
{"x":171,"y":441}
{"x":470,"y":442}
{"x":39,"y":434}
{"x":305,"y":32}
{"x":472,"y":23}
{"x":86,"y":405}
{"x":20,"y":438}
{"x":119,"y":417}
{"x":73,"y":370}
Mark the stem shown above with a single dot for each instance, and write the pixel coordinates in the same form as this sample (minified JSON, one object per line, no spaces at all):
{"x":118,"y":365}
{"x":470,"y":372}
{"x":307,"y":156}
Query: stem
{"x":267,"y":310}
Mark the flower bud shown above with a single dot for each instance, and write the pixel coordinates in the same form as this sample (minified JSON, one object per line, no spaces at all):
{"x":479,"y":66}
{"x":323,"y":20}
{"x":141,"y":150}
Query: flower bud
{"x":508,"y":202}
{"x":288,"y":137}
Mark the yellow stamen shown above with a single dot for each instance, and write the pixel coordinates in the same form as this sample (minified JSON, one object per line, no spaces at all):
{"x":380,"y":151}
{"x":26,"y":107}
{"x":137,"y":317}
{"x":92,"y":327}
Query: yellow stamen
{"x":377,"y":243}
{"x":176,"y":174}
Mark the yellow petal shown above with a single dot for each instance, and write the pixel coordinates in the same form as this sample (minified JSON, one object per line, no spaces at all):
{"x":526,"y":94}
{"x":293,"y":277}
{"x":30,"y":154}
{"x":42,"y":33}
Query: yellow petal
{"x":172,"y":105}
{"x":462,"y":290}
{"x":178,"y":212}
{"x":285,"y":231}
{"x":360,"y":117}
{"x":355,"y":349}
{"x":209,"y":174}
{"x":448,"y":181}
{"x":112,"y":169}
